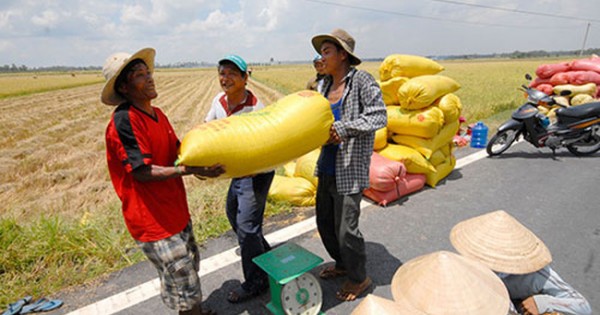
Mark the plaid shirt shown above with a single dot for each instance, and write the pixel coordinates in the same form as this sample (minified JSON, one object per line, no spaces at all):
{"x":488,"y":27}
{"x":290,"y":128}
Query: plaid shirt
{"x":363,"y":112}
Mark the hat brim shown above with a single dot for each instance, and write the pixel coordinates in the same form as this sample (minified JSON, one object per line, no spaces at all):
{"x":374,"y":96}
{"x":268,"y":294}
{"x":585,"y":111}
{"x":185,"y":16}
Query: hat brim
{"x":318,"y":40}
{"x":501,"y":242}
{"x":109,"y":94}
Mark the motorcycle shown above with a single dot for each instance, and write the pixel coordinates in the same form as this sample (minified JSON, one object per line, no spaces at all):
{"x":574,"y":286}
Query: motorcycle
{"x":577,"y":128}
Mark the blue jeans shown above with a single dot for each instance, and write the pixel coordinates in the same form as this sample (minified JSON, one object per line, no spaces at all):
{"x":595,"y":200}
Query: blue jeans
{"x":246,"y":201}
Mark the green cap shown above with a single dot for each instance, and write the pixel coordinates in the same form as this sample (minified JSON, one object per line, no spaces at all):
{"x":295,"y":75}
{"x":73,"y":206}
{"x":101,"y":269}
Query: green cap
{"x":237,"y":60}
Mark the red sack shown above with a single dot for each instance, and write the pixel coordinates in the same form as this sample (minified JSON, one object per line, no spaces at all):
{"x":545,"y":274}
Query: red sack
{"x":546,"y":71}
{"x":384,"y":174}
{"x":546,"y":88}
{"x":538,"y":81}
{"x":560,"y":78}
{"x":592,"y":64}
{"x":583,"y":77}
{"x":407,"y":184}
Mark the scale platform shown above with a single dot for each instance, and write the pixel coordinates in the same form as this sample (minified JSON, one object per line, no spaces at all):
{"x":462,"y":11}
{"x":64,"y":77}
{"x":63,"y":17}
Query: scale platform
{"x":293,"y":290}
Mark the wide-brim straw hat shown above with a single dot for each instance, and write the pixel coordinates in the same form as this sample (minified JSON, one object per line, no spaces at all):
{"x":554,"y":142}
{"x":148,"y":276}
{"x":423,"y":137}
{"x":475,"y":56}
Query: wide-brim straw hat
{"x":500,"y":242}
{"x":445,"y":283}
{"x":373,"y":304}
{"x":112,"y":68}
{"x":341,"y":37}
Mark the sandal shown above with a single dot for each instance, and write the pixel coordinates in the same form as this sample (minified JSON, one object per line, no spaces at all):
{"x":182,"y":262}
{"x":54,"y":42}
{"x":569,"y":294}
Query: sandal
{"x":240,"y":295}
{"x":350,"y":290}
{"x":332,"y":272}
{"x":15,"y":308}
{"x":41,"y":305}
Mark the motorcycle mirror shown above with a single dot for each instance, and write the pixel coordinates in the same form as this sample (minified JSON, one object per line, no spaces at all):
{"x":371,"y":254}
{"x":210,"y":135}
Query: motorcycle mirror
{"x":528,"y":76}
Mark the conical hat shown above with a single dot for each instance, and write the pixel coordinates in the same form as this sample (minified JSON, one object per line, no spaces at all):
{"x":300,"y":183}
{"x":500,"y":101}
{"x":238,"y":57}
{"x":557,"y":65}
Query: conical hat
{"x":502,"y":243}
{"x":444,"y":283}
{"x":373,"y":304}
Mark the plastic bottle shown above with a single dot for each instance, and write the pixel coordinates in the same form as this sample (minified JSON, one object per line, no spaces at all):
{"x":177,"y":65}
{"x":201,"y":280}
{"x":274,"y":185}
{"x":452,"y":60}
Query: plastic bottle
{"x":479,"y":135}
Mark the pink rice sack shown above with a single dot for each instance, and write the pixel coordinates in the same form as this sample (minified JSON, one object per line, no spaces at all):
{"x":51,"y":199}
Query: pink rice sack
{"x":406,"y":185}
{"x":384,"y":174}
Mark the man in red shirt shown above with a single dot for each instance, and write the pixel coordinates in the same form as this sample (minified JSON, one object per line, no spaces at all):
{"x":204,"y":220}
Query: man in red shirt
{"x":141,"y":150}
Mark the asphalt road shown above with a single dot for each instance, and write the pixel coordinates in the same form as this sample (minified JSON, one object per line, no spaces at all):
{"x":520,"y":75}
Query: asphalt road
{"x":558,"y":198}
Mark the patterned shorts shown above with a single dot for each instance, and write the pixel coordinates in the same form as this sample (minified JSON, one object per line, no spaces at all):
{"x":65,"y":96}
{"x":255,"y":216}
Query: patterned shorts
{"x":177,"y":261}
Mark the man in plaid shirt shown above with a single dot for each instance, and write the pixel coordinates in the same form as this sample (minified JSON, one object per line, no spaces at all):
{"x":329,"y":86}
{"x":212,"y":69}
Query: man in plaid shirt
{"x":343,"y":166}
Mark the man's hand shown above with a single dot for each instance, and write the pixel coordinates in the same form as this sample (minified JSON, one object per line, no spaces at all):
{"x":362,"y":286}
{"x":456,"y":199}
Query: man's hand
{"x":205,"y":171}
{"x":529,"y":306}
{"x":334,"y":138}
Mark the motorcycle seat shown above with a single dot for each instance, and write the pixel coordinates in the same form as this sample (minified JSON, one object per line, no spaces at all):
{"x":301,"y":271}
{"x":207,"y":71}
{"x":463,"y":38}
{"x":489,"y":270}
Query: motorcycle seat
{"x":580,"y":111}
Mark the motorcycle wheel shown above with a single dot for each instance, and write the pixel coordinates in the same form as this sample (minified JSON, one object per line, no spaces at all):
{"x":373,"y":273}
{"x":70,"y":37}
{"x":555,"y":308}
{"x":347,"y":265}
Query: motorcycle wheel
{"x":501,"y":141}
{"x":587,"y":146}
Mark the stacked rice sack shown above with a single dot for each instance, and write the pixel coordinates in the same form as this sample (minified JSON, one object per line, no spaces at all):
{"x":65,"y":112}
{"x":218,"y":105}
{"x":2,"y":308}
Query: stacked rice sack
{"x":581,"y":77}
{"x":298,"y":185}
{"x":423,"y":116}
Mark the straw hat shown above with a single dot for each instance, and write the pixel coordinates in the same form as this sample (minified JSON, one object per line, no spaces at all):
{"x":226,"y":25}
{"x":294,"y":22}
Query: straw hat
{"x":340,"y":37}
{"x":444,"y":283}
{"x":373,"y":304}
{"x":113,"y":66}
{"x":502,"y":243}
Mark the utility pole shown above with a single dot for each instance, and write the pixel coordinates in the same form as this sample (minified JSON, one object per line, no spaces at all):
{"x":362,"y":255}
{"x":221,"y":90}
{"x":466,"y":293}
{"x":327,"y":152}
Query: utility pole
{"x":587,"y":30}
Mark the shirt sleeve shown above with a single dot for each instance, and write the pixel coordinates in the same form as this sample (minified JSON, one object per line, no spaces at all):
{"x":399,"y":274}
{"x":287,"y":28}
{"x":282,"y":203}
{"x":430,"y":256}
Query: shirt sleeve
{"x":373,"y":114}
{"x":559,"y":296}
{"x":130,"y":143}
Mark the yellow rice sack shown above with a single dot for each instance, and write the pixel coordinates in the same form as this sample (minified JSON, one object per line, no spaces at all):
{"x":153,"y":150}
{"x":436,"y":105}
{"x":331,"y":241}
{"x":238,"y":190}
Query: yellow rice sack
{"x":305,"y":166}
{"x":451,"y":106}
{"x":289,"y":168}
{"x":425,"y":122}
{"x":295,"y":190}
{"x":389,"y":89}
{"x":443,"y":170}
{"x":427,"y":146}
{"x":381,"y":137}
{"x":422,"y":91}
{"x":581,"y":99}
{"x":415,"y":162}
{"x":397,"y":65}
{"x":258,"y":141}
{"x":589,"y":88}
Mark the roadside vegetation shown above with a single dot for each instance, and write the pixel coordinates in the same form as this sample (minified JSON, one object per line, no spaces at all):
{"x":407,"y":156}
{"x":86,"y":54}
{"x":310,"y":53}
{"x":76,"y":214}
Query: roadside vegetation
{"x":60,"y":220}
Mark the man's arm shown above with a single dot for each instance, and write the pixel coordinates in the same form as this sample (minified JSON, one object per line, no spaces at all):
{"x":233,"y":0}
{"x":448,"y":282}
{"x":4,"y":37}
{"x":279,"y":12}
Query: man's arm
{"x":149,"y":173}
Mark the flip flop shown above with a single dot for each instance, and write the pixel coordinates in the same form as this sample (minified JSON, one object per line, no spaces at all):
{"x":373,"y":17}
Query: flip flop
{"x":350,"y":291}
{"x":15,"y":308}
{"x":42,"y":305}
{"x":332,"y":272}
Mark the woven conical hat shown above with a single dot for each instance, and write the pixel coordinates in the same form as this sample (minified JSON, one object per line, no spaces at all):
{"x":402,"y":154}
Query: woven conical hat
{"x":373,"y":304}
{"x":445,"y":283}
{"x":502,"y":243}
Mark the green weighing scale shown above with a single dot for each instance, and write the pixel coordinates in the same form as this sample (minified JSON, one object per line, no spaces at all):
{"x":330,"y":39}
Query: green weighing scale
{"x":293,"y":289}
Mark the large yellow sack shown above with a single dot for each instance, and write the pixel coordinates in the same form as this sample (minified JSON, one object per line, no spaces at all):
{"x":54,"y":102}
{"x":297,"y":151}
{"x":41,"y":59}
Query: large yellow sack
{"x":289,"y":169}
{"x":389,"y":89}
{"x":443,"y":170}
{"x":295,"y":190}
{"x":427,"y":146}
{"x":381,"y":136}
{"x":425,"y":122}
{"x":589,"y":88}
{"x":397,"y":65}
{"x":451,"y":106}
{"x":422,"y":91}
{"x":415,"y":162}
{"x":305,"y":166}
{"x":258,"y":141}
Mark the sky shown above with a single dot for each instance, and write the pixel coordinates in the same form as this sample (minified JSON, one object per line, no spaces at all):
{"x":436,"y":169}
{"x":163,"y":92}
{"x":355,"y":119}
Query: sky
{"x":41,"y":33}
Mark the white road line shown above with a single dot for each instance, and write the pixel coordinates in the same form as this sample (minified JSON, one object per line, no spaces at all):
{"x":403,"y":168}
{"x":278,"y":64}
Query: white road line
{"x":150,"y":289}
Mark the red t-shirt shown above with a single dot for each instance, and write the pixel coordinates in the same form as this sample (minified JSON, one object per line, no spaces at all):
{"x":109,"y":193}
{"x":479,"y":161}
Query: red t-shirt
{"x":152,"y":210}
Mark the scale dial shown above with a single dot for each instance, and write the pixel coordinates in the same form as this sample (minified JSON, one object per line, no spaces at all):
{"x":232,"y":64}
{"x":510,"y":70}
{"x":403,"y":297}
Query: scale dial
{"x":302,"y":296}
